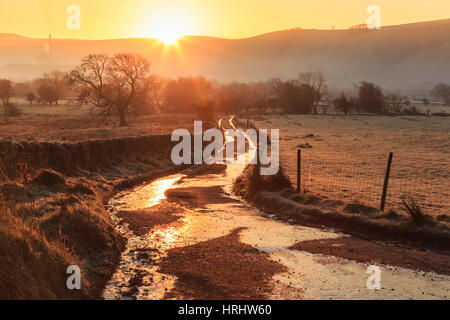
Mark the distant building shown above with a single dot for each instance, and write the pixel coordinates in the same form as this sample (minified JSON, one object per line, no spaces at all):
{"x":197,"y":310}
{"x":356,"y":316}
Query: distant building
{"x":362,"y":26}
{"x":45,"y":57}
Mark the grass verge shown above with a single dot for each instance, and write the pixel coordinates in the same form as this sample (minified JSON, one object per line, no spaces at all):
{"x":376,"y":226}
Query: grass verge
{"x":53,"y":215}
{"x":274,"y":195}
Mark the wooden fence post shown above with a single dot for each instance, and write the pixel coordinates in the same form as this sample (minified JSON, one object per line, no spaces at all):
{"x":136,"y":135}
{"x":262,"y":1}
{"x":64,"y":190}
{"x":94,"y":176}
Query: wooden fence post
{"x":299,"y":169}
{"x":386,"y":181}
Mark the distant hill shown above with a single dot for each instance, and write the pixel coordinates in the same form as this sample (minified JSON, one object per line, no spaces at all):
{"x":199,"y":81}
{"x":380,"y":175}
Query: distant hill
{"x":411,"y":56}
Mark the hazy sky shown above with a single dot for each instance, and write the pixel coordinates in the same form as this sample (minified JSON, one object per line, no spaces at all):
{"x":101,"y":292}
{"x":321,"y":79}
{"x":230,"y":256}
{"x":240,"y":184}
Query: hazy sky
{"x":224,"y":18}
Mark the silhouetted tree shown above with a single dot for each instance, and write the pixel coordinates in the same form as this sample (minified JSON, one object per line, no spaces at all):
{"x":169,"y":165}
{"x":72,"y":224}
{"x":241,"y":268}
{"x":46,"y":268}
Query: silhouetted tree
{"x":6,"y":92}
{"x":112,"y":84}
{"x":206,"y":110}
{"x":52,"y":86}
{"x":157,"y":85}
{"x":370,"y":98}
{"x":344,"y":104}
{"x":187,"y":94}
{"x":294,"y":97}
{"x":236,"y":97}
{"x":30,"y":98}
{"x":317,"y":82}
{"x":262,"y":93}
{"x":144,"y":102}
{"x":22,"y":88}
{"x":396,"y":102}
{"x":46,"y":92}
{"x":442,"y":90}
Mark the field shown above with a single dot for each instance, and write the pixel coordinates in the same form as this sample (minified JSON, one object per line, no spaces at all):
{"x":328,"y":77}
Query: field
{"x":64,"y":123}
{"x":345,"y":157}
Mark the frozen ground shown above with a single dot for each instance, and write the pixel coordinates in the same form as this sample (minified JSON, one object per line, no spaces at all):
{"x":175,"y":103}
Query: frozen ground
{"x":345,"y":157}
{"x":64,"y":123}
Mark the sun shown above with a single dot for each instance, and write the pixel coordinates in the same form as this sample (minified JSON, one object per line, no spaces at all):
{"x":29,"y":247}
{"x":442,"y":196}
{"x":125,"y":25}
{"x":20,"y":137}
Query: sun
{"x":169,"y":30}
{"x":169,"y":37}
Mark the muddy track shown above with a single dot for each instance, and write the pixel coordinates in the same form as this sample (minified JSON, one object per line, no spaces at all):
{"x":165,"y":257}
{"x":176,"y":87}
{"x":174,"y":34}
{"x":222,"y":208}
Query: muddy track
{"x":198,"y":241}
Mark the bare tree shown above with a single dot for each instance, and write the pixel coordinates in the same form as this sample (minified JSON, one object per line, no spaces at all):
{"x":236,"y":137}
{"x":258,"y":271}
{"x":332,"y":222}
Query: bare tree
{"x":6,"y":92}
{"x":396,"y":102}
{"x":22,"y":88}
{"x":315,"y":80}
{"x":371,"y":98}
{"x":293,"y":96}
{"x":157,"y":85}
{"x":344,"y":103}
{"x":111,"y":84}
{"x":187,"y":94}
{"x":30,"y":98}
{"x":261,"y":90}
{"x":52,"y":86}
{"x":442,"y":90}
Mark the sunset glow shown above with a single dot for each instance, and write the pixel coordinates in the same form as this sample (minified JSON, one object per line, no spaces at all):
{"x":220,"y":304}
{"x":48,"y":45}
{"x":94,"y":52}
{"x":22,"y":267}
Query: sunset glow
{"x":225,"y":150}
{"x":169,"y":20}
{"x":168,"y":29}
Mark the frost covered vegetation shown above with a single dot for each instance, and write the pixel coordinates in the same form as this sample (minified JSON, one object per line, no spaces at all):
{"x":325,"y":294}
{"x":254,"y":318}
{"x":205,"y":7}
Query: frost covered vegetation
{"x":343,"y":170}
{"x":123,"y":86}
{"x":53,"y":215}
{"x":275,"y":196}
{"x":345,"y":158}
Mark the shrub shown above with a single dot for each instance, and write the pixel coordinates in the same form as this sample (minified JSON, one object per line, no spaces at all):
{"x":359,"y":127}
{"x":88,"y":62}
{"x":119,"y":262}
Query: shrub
{"x":49,"y":178}
{"x":251,"y":182}
{"x":411,"y":207}
{"x":13,"y":110}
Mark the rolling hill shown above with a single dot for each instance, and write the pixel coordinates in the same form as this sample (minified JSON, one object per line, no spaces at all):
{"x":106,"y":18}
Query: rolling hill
{"x":406,"y":57}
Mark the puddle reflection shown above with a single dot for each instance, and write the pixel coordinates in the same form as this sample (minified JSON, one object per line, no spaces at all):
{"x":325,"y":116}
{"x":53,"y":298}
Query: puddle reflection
{"x":146,"y":196}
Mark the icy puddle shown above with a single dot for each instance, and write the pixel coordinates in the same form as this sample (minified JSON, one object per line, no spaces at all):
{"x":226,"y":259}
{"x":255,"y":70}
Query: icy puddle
{"x":134,"y":264}
{"x":145,"y":196}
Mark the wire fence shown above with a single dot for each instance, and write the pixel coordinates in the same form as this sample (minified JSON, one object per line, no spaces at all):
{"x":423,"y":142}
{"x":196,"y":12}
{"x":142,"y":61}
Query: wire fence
{"x":360,"y":178}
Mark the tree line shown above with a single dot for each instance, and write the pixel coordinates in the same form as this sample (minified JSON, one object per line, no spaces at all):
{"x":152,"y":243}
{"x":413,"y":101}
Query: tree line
{"x":123,"y":84}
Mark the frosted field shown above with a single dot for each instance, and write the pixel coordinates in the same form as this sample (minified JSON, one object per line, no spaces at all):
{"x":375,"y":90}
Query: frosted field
{"x":348,"y":155}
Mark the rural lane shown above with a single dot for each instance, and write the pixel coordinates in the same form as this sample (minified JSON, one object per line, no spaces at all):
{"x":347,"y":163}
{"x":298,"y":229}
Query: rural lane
{"x":189,"y":237}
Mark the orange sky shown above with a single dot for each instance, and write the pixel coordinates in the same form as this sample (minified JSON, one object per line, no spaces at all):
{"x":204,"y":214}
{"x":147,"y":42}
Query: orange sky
{"x":102,"y":19}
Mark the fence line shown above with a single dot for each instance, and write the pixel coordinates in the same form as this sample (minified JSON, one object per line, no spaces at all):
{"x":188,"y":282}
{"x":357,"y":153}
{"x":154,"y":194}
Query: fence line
{"x":361,"y":177}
